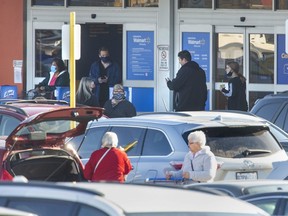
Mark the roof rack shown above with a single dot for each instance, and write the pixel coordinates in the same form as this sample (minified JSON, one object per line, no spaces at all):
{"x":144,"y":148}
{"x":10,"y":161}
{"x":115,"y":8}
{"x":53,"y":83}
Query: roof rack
{"x":16,"y":109}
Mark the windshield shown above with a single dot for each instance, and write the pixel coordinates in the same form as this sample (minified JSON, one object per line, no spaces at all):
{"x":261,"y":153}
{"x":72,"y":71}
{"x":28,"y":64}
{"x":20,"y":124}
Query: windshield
{"x":240,"y":142}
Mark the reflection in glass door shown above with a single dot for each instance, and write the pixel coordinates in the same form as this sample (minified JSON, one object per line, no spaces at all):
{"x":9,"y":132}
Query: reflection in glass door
{"x":255,"y":54}
{"x":229,"y":48}
{"x":47,"y":46}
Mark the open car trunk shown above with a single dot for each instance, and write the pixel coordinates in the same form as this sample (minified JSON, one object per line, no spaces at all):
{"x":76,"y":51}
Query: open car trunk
{"x":44,"y":165}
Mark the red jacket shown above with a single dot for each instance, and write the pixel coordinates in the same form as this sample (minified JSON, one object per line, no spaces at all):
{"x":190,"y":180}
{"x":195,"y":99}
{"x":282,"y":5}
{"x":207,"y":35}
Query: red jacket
{"x":113,"y":167}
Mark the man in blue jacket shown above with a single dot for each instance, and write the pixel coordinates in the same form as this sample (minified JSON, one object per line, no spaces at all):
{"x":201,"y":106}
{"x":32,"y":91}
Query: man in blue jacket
{"x":189,"y":85}
{"x":106,"y":74}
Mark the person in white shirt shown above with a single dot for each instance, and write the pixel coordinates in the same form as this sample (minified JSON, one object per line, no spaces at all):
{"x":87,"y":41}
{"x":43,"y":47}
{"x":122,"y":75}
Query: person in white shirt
{"x":199,"y":163}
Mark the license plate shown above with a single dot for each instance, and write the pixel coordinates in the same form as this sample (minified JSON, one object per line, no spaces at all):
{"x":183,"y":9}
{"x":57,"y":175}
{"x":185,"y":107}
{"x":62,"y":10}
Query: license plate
{"x":246,"y":175}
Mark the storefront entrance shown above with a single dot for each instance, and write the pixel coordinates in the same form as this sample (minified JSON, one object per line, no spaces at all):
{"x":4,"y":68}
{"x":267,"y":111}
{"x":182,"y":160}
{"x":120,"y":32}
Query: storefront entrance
{"x":254,"y":49}
{"x":48,"y":45}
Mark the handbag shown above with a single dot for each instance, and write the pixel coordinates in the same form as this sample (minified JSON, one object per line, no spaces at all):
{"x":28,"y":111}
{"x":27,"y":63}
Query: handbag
{"x":101,"y":159}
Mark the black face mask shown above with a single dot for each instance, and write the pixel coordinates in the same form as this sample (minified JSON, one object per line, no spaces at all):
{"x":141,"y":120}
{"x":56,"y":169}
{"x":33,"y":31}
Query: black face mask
{"x":229,"y":74}
{"x":105,"y":59}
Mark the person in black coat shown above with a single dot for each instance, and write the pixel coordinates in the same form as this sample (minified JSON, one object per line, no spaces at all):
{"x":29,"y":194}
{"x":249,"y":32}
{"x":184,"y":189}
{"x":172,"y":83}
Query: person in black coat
{"x":84,"y":94}
{"x":236,"y":92}
{"x":118,"y":106}
{"x":58,"y":76}
{"x":189,"y":86}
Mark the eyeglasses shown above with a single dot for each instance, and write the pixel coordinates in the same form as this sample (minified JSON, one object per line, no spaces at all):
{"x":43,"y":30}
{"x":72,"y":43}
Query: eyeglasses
{"x":190,"y":143}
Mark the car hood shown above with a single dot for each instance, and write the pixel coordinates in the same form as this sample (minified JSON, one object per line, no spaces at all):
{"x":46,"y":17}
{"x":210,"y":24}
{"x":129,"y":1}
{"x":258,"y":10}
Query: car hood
{"x":50,"y":129}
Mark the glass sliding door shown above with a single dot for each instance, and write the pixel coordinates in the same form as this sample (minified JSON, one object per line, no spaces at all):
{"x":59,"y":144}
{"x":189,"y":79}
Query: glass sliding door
{"x":253,"y":49}
{"x":229,"y":48}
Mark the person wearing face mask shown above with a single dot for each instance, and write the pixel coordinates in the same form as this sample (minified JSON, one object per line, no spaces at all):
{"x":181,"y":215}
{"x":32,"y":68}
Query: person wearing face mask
{"x":118,"y":106}
{"x":236,"y":92}
{"x":57,"y":77}
{"x":106,"y":73}
{"x":84,"y":94}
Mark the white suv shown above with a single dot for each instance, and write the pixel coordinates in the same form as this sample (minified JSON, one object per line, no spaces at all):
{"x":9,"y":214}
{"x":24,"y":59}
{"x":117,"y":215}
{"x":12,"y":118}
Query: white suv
{"x":243,"y":144}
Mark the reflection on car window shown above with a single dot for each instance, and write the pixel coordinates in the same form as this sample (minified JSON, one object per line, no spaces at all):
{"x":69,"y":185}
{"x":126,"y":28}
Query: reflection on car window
{"x":130,"y":138}
{"x":281,"y":120}
{"x":8,"y":124}
{"x":265,"y":111}
{"x":87,"y":210}
{"x":91,"y":142}
{"x":56,"y":127}
{"x":42,"y":207}
{"x":241,"y":142}
{"x":156,"y":143}
{"x":267,"y":205}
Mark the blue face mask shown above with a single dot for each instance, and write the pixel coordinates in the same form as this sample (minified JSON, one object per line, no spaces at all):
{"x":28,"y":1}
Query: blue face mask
{"x":53,"y":68}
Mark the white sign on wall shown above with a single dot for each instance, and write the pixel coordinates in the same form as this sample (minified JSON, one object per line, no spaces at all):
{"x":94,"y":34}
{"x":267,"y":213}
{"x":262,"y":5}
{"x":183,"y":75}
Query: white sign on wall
{"x":163,"y":56}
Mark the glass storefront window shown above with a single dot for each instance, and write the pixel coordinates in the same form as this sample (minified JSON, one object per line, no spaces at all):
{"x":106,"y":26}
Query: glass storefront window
{"x":229,"y":48}
{"x":48,"y":2}
{"x":253,"y":96}
{"x":195,"y":4}
{"x":99,"y":3}
{"x":261,"y":58}
{"x":244,"y":4}
{"x":47,"y":47}
{"x":281,"y":5}
{"x":142,"y":3}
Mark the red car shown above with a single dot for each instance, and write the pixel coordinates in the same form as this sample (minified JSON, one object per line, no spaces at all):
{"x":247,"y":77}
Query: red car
{"x":12,"y":112}
{"x":36,"y":147}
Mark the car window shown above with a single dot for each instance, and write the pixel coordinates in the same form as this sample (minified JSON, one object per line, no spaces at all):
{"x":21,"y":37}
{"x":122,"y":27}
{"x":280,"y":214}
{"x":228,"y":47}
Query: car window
{"x":265,"y":110}
{"x":130,"y":138}
{"x":267,"y":205}
{"x":156,"y":143}
{"x":8,"y":124}
{"x":240,"y":142}
{"x":91,"y":142}
{"x":281,"y":120}
{"x":42,"y":207}
{"x":88,"y":210}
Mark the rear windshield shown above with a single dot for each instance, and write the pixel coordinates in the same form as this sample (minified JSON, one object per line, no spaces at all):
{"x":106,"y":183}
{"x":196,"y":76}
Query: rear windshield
{"x":55,"y":127}
{"x":240,"y":142}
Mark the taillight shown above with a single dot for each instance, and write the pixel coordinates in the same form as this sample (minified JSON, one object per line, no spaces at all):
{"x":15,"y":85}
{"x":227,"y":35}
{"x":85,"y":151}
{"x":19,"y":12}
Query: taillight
{"x":177,"y":165}
{"x":6,"y":176}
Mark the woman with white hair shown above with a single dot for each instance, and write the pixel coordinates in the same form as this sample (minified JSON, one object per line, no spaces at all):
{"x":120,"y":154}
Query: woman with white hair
{"x":199,"y":163}
{"x":108,"y":163}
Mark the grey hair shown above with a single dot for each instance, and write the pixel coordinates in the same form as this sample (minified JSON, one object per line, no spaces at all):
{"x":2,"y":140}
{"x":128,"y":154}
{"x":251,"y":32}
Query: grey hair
{"x":199,"y":137}
{"x":118,"y":87}
{"x":109,"y":140}
{"x":83,"y":92}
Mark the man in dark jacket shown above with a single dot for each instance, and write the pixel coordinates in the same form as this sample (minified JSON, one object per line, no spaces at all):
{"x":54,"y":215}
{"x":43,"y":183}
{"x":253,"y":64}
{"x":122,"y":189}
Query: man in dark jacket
{"x":106,"y":74}
{"x":189,"y":86}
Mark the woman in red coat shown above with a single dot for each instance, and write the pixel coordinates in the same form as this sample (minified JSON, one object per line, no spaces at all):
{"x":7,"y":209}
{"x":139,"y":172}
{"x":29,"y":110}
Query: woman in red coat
{"x":108,"y":163}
